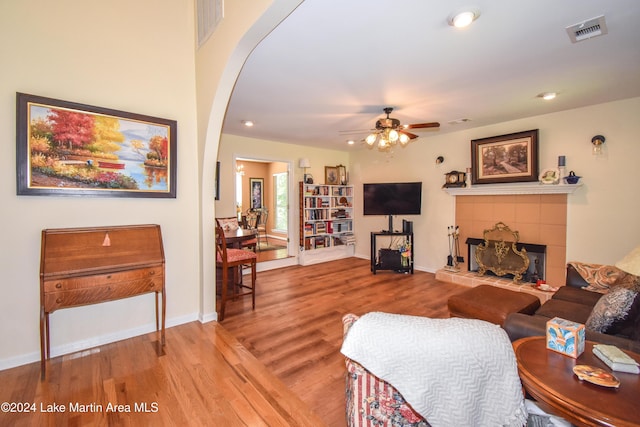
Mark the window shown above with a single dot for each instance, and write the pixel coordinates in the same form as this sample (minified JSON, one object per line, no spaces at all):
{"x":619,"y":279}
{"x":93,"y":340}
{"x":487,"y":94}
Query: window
{"x":281,"y":218}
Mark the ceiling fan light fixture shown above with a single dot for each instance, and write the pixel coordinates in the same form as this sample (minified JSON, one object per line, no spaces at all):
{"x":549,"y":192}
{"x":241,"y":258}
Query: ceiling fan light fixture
{"x":464,"y":18}
{"x":389,"y":132}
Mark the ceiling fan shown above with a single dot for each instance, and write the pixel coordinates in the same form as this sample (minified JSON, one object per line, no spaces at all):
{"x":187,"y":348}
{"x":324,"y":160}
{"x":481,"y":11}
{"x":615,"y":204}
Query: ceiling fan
{"x":389,"y":132}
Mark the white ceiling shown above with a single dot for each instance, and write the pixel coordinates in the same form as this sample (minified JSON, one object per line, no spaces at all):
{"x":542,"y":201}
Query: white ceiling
{"x":333,"y":65}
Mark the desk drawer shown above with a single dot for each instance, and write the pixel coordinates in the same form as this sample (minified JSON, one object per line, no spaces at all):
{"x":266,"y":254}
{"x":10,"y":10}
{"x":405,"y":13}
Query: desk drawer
{"x":102,"y":279}
{"x":102,"y":292}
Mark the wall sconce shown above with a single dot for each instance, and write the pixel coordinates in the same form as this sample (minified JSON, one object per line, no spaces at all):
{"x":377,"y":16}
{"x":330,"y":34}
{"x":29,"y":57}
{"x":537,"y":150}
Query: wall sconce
{"x":439,"y":160}
{"x":597,"y":142}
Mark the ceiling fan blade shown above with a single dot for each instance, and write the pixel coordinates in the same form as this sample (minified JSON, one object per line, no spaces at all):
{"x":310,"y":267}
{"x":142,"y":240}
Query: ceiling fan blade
{"x":423,"y":125}
{"x":351,"y":131}
{"x":409,"y":134}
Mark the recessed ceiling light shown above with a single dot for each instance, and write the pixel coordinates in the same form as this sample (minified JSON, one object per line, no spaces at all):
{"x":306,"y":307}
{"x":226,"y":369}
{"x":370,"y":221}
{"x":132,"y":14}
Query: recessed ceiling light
{"x":464,"y":18}
{"x":547,"y":96}
{"x":247,"y":123}
{"x":351,"y":142}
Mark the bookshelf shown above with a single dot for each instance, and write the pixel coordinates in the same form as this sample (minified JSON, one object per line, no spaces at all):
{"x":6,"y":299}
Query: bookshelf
{"x":326,"y":222}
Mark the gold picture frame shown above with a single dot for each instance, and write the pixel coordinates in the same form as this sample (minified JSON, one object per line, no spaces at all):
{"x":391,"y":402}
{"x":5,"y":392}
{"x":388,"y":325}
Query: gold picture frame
{"x":331,"y":176}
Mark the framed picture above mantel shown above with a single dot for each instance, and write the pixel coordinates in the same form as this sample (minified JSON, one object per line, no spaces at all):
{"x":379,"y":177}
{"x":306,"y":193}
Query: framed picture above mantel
{"x":69,"y":149}
{"x":505,"y":158}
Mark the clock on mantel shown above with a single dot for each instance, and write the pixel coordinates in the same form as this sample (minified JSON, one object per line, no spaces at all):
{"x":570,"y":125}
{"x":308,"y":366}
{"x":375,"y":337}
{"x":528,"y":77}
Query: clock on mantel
{"x":513,"y":188}
{"x":454,"y":179}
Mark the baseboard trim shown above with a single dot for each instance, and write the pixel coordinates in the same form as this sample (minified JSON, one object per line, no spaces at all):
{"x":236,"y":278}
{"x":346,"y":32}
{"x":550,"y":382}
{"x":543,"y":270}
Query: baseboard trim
{"x":92,"y":342}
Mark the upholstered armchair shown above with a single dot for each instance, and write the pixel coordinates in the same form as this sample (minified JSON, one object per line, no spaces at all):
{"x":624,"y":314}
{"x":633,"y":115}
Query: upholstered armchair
{"x":414,"y":371}
{"x":384,"y":404}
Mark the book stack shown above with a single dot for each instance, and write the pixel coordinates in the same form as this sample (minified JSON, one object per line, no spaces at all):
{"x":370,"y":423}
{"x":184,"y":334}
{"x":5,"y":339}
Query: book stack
{"x":616,"y":359}
{"x":348,"y":239}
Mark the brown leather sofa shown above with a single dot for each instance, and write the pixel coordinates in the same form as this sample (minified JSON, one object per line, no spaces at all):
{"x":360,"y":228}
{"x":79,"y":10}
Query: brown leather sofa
{"x":574,"y":303}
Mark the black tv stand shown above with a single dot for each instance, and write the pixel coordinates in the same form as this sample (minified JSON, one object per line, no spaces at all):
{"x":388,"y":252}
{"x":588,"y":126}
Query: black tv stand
{"x":390,"y":229}
{"x":393,"y":262}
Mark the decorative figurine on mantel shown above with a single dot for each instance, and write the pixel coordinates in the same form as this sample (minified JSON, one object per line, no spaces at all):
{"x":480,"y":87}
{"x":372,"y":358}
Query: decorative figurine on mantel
{"x":572,"y":178}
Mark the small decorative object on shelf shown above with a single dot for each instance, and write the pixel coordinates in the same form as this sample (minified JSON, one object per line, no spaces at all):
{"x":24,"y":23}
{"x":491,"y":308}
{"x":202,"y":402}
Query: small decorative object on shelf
{"x":550,"y":176}
{"x":572,"y":178}
{"x":405,"y":253}
{"x":454,"y":179}
{"x":342,"y":175}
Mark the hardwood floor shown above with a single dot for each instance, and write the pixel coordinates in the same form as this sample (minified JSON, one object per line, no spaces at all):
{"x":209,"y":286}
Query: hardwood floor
{"x":271,"y":255}
{"x":296,"y":329}
{"x":288,"y":365}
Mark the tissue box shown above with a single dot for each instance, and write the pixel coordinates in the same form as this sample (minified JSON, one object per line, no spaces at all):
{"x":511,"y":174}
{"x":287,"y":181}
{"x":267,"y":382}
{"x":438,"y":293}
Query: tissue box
{"x":565,"y":336}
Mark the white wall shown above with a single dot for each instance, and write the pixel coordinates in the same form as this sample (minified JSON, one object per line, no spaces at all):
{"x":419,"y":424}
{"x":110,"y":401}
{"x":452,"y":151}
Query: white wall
{"x":602,"y":216}
{"x":131,"y":56}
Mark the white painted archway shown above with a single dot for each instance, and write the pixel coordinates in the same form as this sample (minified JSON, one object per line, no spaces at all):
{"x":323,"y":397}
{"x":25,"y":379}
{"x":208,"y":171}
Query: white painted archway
{"x":218,"y":99}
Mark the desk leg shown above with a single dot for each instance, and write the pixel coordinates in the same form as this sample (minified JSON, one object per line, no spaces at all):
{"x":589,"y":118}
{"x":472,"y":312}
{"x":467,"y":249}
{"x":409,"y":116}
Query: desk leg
{"x":163,"y":308}
{"x":164,"y":313}
{"x":157,"y":322}
{"x":42,"y":343}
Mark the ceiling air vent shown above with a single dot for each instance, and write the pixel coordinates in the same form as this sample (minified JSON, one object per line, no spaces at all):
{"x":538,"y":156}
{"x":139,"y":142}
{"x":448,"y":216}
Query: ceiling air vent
{"x":209,"y":14}
{"x":587,"y":29}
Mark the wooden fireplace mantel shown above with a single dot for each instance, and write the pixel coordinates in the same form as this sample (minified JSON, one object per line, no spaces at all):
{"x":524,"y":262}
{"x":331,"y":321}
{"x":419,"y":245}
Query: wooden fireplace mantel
{"x":516,"y":188}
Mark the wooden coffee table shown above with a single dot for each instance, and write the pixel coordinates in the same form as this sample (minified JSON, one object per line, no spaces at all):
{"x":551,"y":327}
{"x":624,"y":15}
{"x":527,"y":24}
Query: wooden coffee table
{"x":548,"y":377}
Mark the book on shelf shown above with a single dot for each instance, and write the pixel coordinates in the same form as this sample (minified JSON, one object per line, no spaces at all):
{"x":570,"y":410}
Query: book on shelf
{"x":616,"y":359}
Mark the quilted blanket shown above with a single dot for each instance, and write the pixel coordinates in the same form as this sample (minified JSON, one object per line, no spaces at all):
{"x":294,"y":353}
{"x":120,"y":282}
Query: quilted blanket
{"x":454,"y":372}
{"x":601,"y":277}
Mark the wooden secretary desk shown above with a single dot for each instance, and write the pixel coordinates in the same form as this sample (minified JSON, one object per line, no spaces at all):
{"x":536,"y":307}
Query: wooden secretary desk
{"x":81,"y":266}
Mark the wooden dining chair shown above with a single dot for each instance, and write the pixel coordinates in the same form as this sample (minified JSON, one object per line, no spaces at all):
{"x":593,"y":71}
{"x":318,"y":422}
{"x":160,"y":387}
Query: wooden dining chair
{"x":232,"y":224}
{"x":263,"y":215}
{"x":229,"y":259}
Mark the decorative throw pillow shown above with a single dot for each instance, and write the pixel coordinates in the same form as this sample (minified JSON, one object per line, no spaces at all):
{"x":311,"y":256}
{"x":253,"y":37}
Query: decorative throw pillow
{"x":614,"y":310}
{"x":229,"y":224}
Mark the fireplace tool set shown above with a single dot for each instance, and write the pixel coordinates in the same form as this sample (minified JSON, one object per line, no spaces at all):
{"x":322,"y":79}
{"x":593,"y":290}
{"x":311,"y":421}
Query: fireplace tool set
{"x":454,"y":257}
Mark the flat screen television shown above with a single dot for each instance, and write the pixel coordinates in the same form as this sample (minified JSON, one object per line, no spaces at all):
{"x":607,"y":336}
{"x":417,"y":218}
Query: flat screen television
{"x":394,"y":198}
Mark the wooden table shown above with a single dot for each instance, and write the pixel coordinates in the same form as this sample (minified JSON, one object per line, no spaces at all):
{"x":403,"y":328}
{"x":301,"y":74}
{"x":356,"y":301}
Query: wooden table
{"x":548,"y":377}
{"x":234,"y":238}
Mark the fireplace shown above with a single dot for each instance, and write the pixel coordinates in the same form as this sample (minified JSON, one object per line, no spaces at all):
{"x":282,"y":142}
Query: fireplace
{"x":535,"y":252}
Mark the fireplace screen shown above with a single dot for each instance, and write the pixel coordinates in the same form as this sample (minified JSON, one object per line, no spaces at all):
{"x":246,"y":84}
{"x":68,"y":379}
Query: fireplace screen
{"x":499,"y":253}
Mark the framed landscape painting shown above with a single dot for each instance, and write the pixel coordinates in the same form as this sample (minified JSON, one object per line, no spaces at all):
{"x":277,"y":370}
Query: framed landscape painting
{"x":505,"y":158}
{"x":69,"y":149}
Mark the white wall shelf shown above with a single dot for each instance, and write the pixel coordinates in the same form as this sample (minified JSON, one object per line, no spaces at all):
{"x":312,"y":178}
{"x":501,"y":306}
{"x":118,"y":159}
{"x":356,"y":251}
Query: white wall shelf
{"x":515,"y":188}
